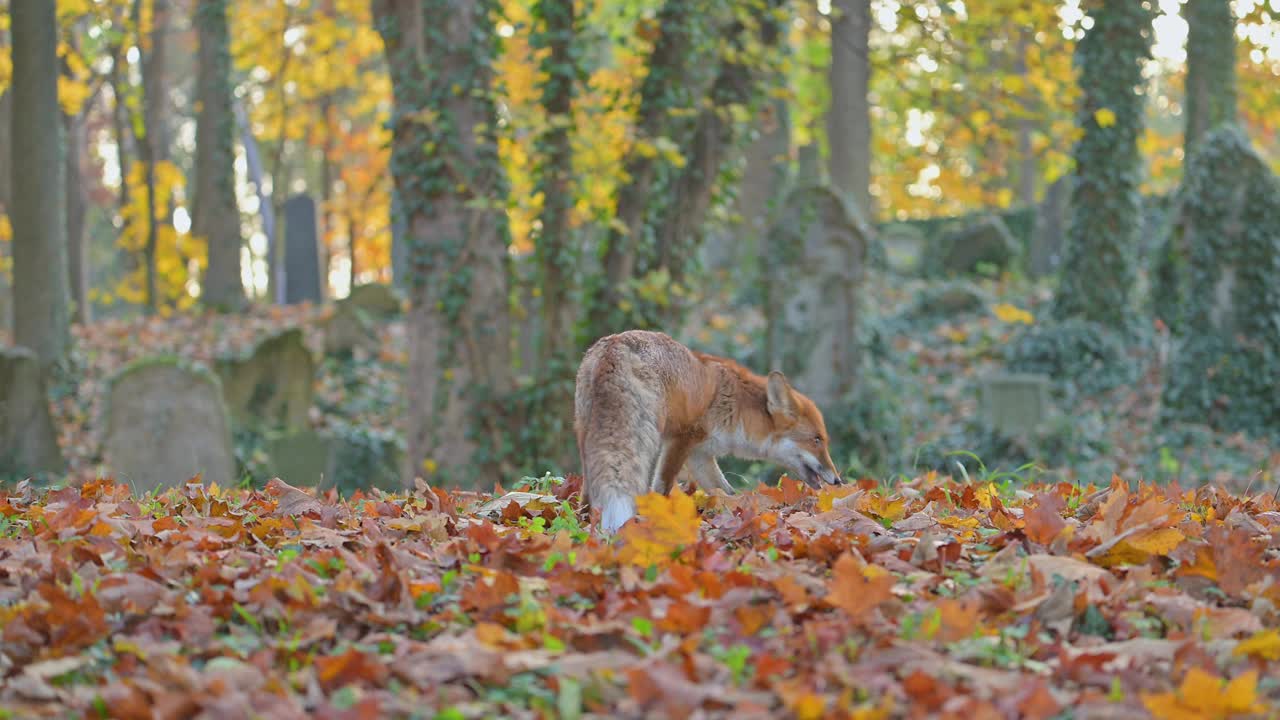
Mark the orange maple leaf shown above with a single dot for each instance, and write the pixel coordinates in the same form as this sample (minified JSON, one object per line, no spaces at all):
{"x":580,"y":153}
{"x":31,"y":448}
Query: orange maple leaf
{"x":857,"y":588}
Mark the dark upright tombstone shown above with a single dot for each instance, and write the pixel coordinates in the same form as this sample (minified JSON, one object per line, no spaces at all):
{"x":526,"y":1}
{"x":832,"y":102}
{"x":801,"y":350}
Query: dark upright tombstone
{"x":301,"y":251}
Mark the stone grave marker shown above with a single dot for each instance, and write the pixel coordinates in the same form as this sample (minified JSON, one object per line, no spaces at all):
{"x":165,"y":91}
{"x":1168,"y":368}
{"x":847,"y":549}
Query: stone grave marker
{"x":273,"y":386}
{"x":303,"y":458}
{"x":986,"y":241}
{"x":818,"y":251}
{"x":165,"y":422}
{"x":1014,"y":404}
{"x":379,"y":301}
{"x":28,"y":438}
{"x":346,"y":329}
{"x":904,"y":248}
{"x":303,"y":281}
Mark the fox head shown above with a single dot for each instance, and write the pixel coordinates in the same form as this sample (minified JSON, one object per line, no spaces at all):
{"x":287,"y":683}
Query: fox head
{"x":798,"y":439}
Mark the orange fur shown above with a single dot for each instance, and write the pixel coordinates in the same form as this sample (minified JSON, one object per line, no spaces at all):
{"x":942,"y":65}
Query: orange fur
{"x":647,"y":409}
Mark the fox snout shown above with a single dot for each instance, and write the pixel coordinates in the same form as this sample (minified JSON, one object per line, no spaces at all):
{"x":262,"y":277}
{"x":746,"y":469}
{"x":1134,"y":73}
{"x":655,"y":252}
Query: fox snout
{"x":815,"y":475}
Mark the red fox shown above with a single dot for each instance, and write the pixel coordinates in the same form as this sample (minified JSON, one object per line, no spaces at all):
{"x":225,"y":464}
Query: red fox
{"x":648,"y":410}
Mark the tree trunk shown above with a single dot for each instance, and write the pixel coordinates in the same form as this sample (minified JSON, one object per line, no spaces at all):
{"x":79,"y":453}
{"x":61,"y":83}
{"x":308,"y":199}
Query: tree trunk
{"x":120,"y":123}
{"x":1211,"y":68}
{"x":154,"y":145}
{"x":680,"y":228}
{"x":77,"y":265}
{"x":38,"y":215}
{"x":6,"y":165}
{"x":553,"y":245}
{"x":217,"y":216}
{"x":326,"y":196}
{"x":669,"y":68}
{"x":849,"y":116}
{"x":1028,"y":163}
{"x":1098,"y":266}
{"x":451,"y":183}
{"x":352,"y":271}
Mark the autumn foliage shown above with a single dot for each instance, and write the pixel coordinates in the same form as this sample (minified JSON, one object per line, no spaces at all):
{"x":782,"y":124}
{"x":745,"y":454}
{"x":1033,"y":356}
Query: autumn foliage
{"x":930,"y":598}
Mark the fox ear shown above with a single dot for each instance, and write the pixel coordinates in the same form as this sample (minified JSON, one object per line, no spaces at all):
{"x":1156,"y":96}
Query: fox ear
{"x":779,"y":395}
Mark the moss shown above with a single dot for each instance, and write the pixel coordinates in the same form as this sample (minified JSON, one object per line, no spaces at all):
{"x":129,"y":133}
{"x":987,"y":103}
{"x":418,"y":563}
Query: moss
{"x":1227,"y":363}
{"x":1098,"y":268}
{"x":1082,"y":358}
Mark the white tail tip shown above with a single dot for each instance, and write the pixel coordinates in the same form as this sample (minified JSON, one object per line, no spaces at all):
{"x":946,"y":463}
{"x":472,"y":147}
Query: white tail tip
{"x":615,"y":513}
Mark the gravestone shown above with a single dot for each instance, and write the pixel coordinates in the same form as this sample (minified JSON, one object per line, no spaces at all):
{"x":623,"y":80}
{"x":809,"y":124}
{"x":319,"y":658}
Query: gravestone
{"x":349,"y":461}
{"x":1014,"y":404}
{"x":273,"y":386}
{"x":365,"y":460}
{"x":1225,"y":270}
{"x":987,"y":241}
{"x":301,"y":251}
{"x":1050,"y":230}
{"x":303,"y":458}
{"x":165,"y":423}
{"x":347,"y":329}
{"x":28,"y":438}
{"x":380,"y":302}
{"x":818,"y":253}
{"x":904,"y":248}
{"x":948,"y":299}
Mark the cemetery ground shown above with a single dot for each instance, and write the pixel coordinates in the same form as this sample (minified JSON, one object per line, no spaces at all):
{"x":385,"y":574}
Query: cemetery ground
{"x":1133,"y":571}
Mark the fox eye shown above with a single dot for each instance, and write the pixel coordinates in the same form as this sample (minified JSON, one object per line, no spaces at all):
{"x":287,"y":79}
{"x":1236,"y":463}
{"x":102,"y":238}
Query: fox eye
{"x":817,"y":439}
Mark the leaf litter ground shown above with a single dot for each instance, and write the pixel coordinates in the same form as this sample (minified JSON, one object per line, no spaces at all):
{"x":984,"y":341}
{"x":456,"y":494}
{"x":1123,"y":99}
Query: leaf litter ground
{"x":933,"y":598}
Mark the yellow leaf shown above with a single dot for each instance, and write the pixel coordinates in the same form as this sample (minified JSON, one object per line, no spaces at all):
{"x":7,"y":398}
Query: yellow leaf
{"x":1105,"y":117}
{"x":1013,"y":314}
{"x":808,"y":706}
{"x":1157,"y":542}
{"x":72,"y":95}
{"x":666,"y":523}
{"x":827,"y":496}
{"x":1264,"y":644}
{"x":1202,"y":695}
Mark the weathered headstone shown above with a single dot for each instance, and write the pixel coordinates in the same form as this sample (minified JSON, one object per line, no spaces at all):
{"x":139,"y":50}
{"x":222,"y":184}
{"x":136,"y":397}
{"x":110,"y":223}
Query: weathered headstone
{"x":949,"y":299}
{"x":302,"y":459}
{"x":28,"y":438}
{"x":818,"y":252}
{"x":346,"y":329}
{"x":1014,"y":404}
{"x":379,"y":301}
{"x":1050,"y":228}
{"x":165,"y":423}
{"x":273,"y":386}
{"x":904,"y":247}
{"x":985,"y":242}
{"x":1223,"y":270}
{"x":365,"y":460}
{"x":328,"y":459}
{"x":303,"y":281}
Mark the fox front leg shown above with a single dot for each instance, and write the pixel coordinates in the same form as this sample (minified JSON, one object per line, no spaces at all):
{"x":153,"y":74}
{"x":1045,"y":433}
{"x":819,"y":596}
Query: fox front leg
{"x":705,"y":471}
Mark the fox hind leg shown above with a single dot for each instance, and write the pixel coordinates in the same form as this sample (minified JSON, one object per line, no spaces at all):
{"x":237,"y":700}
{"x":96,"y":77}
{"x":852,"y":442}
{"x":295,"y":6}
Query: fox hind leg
{"x":618,"y":467}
